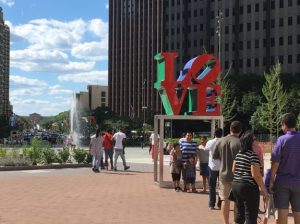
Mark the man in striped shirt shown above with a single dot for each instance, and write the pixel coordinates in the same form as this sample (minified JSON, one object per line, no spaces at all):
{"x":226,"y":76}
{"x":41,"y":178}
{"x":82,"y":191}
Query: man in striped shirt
{"x":188,"y":148}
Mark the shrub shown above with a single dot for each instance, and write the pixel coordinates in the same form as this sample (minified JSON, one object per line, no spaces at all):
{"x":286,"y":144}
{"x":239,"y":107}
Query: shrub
{"x":8,"y":161}
{"x":80,"y":155}
{"x":35,"y":151}
{"x":2,"y":153}
{"x":89,"y":158}
{"x":63,"y":155}
{"x":49,"y":156}
{"x":14,"y":153}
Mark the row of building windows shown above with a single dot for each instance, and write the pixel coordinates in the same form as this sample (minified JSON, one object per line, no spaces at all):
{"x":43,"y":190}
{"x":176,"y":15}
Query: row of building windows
{"x":256,"y":62}
{"x":248,"y":45}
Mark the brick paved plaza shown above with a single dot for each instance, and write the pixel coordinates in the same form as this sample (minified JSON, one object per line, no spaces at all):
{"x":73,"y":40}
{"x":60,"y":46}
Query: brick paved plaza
{"x":81,"y":196}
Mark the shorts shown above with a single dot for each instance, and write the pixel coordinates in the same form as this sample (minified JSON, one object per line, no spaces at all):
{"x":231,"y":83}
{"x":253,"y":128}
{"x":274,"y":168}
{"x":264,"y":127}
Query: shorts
{"x":270,"y":208}
{"x":283,"y":195}
{"x":224,"y":189}
{"x":190,"y":180}
{"x":176,"y":176}
{"x":204,"y":171}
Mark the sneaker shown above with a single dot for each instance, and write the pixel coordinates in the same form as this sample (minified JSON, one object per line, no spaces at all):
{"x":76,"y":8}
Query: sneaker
{"x":211,"y":208}
{"x":126,"y":167}
{"x":97,"y":171}
{"x":115,"y":169}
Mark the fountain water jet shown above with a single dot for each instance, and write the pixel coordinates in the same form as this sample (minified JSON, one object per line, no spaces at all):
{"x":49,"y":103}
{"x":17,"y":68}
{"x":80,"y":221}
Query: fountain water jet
{"x":75,"y":121}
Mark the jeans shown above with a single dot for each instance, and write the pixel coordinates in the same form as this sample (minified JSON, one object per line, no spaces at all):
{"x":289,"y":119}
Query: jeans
{"x":96,"y":161}
{"x":109,"y":154}
{"x":213,"y":178}
{"x":119,"y":152}
{"x":247,"y":202}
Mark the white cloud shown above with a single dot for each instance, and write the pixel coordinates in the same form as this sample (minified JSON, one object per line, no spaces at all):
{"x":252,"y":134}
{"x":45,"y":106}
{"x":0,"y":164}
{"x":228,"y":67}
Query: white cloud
{"x":91,"y":51}
{"x":51,"y":61}
{"x":107,"y":6}
{"x":51,"y":34}
{"x":15,"y":79}
{"x":93,"y":77}
{"x":57,"y":89}
{"x":33,"y":91}
{"x":98,"y":27}
{"x":8,"y":2}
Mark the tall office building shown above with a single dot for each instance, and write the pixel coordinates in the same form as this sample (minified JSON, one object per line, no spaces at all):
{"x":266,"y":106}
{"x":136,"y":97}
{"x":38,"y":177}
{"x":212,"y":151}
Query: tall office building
{"x":5,"y":108}
{"x":253,"y":36}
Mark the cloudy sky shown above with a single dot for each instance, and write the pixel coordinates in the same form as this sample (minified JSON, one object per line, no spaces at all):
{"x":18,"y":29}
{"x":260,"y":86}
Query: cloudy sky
{"x":57,"y":47}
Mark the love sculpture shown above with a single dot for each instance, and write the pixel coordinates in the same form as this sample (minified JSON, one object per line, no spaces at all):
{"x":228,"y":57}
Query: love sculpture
{"x":196,"y":85}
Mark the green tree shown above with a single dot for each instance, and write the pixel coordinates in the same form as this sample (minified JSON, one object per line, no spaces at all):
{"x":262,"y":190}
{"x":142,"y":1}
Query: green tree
{"x":274,"y":102}
{"x":228,"y":100}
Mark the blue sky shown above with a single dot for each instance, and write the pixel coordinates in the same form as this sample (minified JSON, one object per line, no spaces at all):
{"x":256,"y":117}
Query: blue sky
{"x":57,"y":47}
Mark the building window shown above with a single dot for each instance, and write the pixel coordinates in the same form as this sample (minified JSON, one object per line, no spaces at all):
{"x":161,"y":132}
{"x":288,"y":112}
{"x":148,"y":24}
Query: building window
{"x":102,"y":104}
{"x":290,"y":59}
{"x":280,"y":58}
{"x":272,"y":60}
{"x":298,"y":58}
{"x":248,"y":26}
{"x":264,"y":42}
{"x":290,"y":3}
{"x":241,"y":63}
{"x":241,"y":46}
{"x":281,"y":22}
{"x":212,"y":14}
{"x":233,"y":46}
{"x":272,"y":5}
{"x":256,"y":43}
{"x":241,"y":27}
{"x":212,"y":32}
{"x":226,"y":47}
{"x":201,"y":12}
{"x":201,"y":42}
{"x":298,"y":19}
{"x":178,"y":15}
{"x":280,"y":41}
{"x":272,"y":23}
{"x":226,"y":12}
{"x":298,"y":39}
{"x":257,"y":7}
{"x":281,"y":4}
{"x":272,"y":42}
{"x":178,"y":45}
{"x":298,"y":2}
{"x":233,"y":11}
{"x":264,"y":24}
{"x":195,"y":28}
{"x":201,"y":27}
{"x":226,"y":29}
{"x":241,"y":10}
{"x":195,"y":43}
{"x":257,"y":25}
{"x":172,"y":17}
{"x":212,"y":48}
{"x":256,"y":62}
{"x":248,"y":62}
{"x":248,"y":44}
{"x":264,"y":61}
{"x":233,"y":28}
{"x":226,"y":65}
{"x":290,"y":20}
{"x":172,"y":31}
{"x":290,"y":40}
{"x":195,"y":13}
{"x":248,"y":8}
{"x":103,"y":94}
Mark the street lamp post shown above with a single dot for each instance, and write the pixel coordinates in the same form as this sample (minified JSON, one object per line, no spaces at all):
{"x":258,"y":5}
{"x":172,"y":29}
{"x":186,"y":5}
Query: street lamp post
{"x":144,"y":107}
{"x":219,"y":18}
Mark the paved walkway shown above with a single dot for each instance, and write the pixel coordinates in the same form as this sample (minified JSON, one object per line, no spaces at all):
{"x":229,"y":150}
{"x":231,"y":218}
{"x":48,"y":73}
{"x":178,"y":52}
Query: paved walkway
{"x":72,"y":196}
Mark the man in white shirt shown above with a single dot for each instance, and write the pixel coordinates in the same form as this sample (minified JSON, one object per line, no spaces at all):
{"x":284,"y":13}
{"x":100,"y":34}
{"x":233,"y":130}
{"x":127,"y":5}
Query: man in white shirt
{"x":214,"y":167}
{"x":119,"y":139}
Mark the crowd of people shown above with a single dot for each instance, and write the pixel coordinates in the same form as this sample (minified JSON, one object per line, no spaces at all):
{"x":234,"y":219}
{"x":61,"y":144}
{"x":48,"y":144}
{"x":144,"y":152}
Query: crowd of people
{"x":236,"y":162}
{"x":112,"y":145}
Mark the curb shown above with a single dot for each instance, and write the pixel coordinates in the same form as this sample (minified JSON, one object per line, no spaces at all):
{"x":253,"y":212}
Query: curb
{"x":53,"y":166}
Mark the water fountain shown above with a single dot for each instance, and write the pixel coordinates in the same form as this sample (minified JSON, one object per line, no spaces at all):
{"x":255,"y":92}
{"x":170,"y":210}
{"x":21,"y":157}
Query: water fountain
{"x":75,"y":121}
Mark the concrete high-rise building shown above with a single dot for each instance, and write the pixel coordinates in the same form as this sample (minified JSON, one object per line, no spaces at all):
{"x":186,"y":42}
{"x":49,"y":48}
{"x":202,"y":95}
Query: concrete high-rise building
{"x":5,"y":108}
{"x":97,"y":96}
{"x":254,"y":35}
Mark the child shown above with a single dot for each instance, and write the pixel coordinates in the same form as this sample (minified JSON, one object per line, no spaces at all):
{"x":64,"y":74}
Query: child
{"x":176,"y":166}
{"x":190,"y":167}
{"x":270,"y":209}
{"x":203,"y":156}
